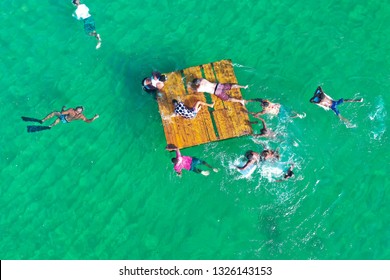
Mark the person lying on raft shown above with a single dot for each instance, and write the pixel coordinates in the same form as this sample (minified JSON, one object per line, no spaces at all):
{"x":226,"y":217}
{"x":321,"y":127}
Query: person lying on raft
{"x":218,"y":89}
{"x":82,"y":12}
{"x":189,"y":113}
{"x":253,"y":159}
{"x":189,"y":163}
{"x":271,"y":108}
{"x":154,"y":83}
{"x":326,"y":102}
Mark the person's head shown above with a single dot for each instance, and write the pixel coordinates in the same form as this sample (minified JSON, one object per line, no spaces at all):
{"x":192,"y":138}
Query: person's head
{"x":79,"y":109}
{"x":249,"y":155}
{"x":76,"y":2}
{"x":146,"y":81}
{"x":195,"y":83}
{"x":289,"y":174}
{"x":265,"y":103}
{"x":174,"y":160}
{"x":174,"y":102}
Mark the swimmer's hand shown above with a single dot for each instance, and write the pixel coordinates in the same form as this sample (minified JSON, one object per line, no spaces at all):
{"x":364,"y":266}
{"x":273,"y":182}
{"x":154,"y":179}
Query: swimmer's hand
{"x":95,"y":117}
{"x":171,"y":147}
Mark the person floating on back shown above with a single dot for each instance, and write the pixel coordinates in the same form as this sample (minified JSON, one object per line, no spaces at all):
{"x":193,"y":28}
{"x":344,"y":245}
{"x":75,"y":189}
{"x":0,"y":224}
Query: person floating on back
{"x":82,"y":13}
{"x":189,"y":113}
{"x":65,"y":116}
{"x":326,"y":102}
{"x":218,"y":89}
{"x":189,"y":163}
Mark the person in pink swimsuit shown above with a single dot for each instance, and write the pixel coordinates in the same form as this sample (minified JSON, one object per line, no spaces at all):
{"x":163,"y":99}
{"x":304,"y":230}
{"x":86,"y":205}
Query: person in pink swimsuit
{"x":189,"y":163}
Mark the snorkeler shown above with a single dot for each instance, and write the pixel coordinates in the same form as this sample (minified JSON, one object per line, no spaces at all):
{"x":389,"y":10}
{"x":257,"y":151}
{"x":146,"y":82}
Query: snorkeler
{"x":218,"y":89}
{"x":82,"y":13}
{"x":65,"y":116}
{"x":289,"y":173}
{"x":326,"y":102}
{"x":189,"y":163}
{"x":189,"y":113}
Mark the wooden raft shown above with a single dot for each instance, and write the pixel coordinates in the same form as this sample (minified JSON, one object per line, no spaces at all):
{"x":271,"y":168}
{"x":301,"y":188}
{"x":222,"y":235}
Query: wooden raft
{"x":225,"y":120}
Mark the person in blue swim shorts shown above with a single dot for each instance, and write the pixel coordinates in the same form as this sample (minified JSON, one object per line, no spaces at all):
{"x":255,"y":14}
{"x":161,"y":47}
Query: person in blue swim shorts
{"x":323,"y":100}
{"x":66,"y":116}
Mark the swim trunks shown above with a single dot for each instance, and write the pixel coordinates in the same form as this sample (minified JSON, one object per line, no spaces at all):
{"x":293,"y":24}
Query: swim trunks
{"x":182,"y":110}
{"x":89,"y":25}
{"x":334,"y":104}
{"x":63,"y":118}
{"x":221,"y":89}
{"x":195,"y":162}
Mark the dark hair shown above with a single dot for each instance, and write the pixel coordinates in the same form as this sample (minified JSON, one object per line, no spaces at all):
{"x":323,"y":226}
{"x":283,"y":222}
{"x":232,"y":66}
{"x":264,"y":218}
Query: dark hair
{"x":174,"y":101}
{"x":265,"y":103}
{"x":174,"y":160}
{"x":80,"y":107}
{"x":249,"y":155}
{"x":195,"y":83}
{"x":74,"y":2}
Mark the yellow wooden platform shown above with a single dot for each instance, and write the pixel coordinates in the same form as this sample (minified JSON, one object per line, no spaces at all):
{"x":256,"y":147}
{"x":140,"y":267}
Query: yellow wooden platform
{"x":225,"y":120}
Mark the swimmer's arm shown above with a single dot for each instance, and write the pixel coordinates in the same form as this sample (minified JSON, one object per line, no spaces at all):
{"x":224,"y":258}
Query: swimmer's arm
{"x":82,"y":117}
{"x":344,"y":119}
{"x":66,"y":112}
{"x":247,"y":165}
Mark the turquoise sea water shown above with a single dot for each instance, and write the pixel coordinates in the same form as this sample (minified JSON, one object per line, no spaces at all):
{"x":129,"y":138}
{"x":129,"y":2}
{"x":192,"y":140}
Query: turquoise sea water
{"x":107,"y":190}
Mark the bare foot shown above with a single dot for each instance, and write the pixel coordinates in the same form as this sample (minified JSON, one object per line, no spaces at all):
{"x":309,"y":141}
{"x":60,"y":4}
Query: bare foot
{"x":205,"y":173}
{"x":215,"y":170}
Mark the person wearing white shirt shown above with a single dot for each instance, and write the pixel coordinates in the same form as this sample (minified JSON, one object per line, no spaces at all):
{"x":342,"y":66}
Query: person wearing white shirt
{"x":82,"y":13}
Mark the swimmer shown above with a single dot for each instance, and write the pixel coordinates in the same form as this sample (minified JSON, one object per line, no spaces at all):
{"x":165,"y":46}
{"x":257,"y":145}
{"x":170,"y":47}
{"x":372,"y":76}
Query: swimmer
{"x":189,"y":163}
{"x":253,"y":158}
{"x":268,"y":154}
{"x":267,"y":107}
{"x":154,"y":83}
{"x":271,"y":108}
{"x":82,"y":13}
{"x":264,"y":132}
{"x":323,"y":100}
{"x":218,"y":89}
{"x":189,"y":113}
{"x":65,"y":116}
{"x":289,"y":173}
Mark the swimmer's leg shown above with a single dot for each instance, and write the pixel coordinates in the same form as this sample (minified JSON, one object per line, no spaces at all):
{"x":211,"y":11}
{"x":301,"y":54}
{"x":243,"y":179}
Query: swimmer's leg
{"x":242,"y":101}
{"x":238,"y":86}
{"x":353,"y":100}
{"x":55,"y":123}
{"x":49,"y":116}
{"x":209,"y":166}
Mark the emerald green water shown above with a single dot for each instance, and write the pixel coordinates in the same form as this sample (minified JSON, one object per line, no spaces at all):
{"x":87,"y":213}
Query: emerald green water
{"x":107,"y":190}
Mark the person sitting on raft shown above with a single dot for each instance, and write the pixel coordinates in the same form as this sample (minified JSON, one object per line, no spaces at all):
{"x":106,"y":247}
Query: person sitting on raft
{"x":218,"y":89}
{"x":189,"y":113}
{"x":323,"y":100}
{"x":154,"y":83}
